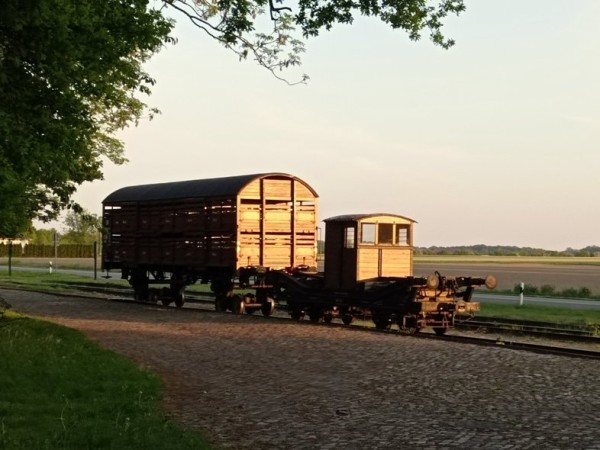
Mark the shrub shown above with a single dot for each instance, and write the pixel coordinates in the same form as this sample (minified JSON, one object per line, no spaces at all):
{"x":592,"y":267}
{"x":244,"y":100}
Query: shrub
{"x":584,"y":293}
{"x":547,"y":289}
{"x":569,"y":292}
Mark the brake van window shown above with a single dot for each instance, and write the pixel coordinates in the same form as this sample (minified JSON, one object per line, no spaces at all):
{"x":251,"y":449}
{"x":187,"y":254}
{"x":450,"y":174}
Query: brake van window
{"x":349,"y":237}
{"x":385,"y":234}
{"x":403,"y":236}
{"x":367,"y":233}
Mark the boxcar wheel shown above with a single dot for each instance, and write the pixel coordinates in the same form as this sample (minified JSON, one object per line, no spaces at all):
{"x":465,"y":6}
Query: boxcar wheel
{"x":347,"y":319}
{"x":440,"y":331}
{"x":382,"y":322}
{"x":153,"y":296}
{"x":179,"y":299}
{"x":165,"y":296}
{"x":220,"y":303}
{"x":141,"y":295}
{"x":328,"y":317}
{"x":238,"y":305}
{"x":315,"y":316}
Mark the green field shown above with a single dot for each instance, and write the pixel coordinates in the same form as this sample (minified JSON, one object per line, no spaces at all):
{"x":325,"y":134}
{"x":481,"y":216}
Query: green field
{"x":480,"y":259}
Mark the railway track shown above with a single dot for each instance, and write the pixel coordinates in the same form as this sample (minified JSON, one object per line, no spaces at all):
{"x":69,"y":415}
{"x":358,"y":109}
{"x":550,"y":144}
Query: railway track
{"x":204,"y":301}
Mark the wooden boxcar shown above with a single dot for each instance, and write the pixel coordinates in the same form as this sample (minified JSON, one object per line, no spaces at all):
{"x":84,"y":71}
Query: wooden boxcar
{"x":177,"y":233}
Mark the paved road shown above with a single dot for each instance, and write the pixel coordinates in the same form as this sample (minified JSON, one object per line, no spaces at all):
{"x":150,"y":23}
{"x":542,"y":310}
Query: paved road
{"x":541,"y":301}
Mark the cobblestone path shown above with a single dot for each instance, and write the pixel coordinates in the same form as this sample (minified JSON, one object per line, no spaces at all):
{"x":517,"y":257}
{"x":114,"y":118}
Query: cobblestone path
{"x":253,"y":383}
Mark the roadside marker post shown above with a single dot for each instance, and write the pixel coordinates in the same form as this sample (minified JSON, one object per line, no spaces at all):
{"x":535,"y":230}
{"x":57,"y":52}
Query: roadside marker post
{"x":521,"y":290}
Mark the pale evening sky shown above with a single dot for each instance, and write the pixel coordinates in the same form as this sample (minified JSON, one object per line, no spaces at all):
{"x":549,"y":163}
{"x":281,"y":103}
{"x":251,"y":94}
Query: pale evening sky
{"x":495,"y":141}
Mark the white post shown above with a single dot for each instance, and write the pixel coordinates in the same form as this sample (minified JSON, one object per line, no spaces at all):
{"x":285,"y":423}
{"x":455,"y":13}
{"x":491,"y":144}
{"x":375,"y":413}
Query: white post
{"x":50,"y":268}
{"x":521,"y":295}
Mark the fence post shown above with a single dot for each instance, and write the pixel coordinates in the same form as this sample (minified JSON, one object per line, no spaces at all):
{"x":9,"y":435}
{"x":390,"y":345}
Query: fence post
{"x":55,"y":242}
{"x":95,"y":260}
{"x":10,"y":257}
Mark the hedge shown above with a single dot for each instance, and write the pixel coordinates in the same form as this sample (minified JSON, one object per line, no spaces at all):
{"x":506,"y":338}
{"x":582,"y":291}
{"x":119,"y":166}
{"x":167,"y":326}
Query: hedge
{"x":47,"y":251}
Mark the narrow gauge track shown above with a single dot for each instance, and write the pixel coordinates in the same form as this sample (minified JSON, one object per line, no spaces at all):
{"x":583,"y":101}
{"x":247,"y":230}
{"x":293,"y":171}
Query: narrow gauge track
{"x":499,"y":343}
{"x":529,"y":328}
{"x":205,"y":302}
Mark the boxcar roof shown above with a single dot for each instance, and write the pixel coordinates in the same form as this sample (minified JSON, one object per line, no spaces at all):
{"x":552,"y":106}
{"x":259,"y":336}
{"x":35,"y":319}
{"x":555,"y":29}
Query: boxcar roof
{"x":358,"y":217}
{"x":210,"y":187}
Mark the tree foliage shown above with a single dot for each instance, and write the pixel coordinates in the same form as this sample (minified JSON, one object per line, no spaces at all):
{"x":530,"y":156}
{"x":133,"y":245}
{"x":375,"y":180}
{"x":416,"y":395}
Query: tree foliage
{"x":82,"y":227}
{"x":235,"y":22}
{"x":71,"y":75}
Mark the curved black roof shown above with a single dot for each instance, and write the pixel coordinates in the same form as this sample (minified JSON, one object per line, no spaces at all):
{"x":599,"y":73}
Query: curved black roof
{"x":210,"y":187}
{"x":357,"y":217}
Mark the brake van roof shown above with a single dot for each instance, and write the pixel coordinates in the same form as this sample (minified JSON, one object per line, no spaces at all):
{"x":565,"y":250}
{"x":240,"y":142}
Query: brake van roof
{"x":360,"y":217}
{"x":210,"y":187}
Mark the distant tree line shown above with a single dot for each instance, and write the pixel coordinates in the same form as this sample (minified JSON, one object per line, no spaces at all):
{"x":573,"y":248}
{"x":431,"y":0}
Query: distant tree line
{"x":505,"y":250}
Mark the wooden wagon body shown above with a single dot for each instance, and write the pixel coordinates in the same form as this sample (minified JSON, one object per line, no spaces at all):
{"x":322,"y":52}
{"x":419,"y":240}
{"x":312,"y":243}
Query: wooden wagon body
{"x":211,"y":227}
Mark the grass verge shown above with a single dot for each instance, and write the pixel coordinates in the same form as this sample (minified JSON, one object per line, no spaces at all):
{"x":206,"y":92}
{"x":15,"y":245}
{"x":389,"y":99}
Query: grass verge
{"x":63,"y":282}
{"x":55,"y":282}
{"x":566,"y":316}
{"x":61,"y":390}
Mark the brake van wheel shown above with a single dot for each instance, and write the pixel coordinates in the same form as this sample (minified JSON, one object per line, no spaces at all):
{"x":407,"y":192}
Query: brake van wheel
{"x":409,"y":327}
{"x":179,"y":299}
{"x":238,"y":306}
{"x":267,"y":308}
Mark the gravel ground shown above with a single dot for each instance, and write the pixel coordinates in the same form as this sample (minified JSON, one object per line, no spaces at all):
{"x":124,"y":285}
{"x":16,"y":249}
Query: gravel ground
{"x":253,"y":383}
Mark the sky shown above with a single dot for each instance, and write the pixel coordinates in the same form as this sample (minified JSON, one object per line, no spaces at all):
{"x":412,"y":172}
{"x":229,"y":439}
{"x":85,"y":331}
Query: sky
{"x":495,"y":141}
